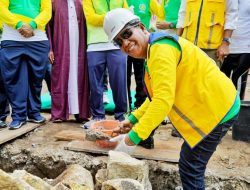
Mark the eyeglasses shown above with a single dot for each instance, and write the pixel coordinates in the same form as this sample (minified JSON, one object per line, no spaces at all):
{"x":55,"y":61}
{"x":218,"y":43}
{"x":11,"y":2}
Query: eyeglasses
{"x":126,"y":34}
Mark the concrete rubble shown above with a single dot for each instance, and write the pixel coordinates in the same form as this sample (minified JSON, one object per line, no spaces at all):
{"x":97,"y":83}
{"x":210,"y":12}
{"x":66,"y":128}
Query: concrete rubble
{"x":21,"y":181}
{"x":122,"y":184}
{"x":123,"y":173}
{"x":75,"y":177}
{"x":41,"y":155}
{"x":92,"y":135}
{"x":33,"y":181}
{"x":121,"y":165}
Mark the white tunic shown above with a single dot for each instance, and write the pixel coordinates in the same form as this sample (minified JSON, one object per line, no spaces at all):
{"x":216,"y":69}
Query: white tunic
{"x":241,"y":35}
{"x":73,"y":66}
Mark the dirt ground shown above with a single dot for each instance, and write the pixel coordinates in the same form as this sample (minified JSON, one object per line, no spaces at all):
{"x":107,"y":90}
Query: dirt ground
{"x":40,"y":153}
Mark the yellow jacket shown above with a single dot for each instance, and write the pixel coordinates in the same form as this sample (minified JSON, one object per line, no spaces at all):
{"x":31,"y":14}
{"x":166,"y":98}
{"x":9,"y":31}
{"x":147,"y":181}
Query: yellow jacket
{"x":1,"y":25}
{"x":185,"y":84}
{"x":204,"y":23}
{"x":14,"y":19}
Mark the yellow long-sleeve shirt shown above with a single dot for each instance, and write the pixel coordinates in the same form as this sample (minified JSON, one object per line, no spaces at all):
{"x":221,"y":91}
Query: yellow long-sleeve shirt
{"x":35,"y":12}
{"x":92,"y":17}
{"x":95,"y":13}
{"x":185,"y":84}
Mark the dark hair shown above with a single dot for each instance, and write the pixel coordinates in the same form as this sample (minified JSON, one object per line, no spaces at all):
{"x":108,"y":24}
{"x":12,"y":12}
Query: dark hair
{"x":134,"y":22}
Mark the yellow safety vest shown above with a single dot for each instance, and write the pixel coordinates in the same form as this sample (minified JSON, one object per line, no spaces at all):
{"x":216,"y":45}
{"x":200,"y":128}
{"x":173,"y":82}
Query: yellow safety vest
{"x":203,"y":94}
{"x":204,"y":22}
{"x":96,"y":34}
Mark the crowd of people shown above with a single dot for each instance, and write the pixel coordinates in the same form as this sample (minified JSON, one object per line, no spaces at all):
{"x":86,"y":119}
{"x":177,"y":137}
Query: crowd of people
{"x":178,"y":65}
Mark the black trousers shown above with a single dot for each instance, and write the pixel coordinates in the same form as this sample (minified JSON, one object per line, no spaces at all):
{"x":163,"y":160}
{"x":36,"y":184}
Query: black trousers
{"x":239,"y":65}
{"x":140,"y":95}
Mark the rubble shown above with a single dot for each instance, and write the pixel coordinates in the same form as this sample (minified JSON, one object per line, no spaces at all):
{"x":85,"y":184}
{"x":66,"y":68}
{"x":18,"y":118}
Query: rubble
{"x":49,"y":159}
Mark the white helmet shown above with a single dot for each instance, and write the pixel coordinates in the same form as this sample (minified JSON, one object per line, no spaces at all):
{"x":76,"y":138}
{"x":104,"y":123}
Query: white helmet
{"x":116,"y":19}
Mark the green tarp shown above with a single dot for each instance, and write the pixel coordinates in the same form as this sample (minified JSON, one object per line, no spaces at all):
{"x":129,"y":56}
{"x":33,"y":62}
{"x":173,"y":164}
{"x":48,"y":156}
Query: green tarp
{"x":46,"y":101}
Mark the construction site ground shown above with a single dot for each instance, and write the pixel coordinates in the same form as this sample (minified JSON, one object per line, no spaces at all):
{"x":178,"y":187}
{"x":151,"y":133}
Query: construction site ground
{"x":40,"y":153}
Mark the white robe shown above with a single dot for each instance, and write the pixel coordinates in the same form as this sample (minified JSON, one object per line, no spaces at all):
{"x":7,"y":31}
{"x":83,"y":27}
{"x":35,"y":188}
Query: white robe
{"x":73,"y":67}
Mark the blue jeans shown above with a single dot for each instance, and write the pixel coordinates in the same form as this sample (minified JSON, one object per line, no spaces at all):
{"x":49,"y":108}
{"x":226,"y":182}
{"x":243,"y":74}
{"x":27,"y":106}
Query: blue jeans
{"x":23,"y":66}
{"x":193,"y":162}
{"x":113,"y":61}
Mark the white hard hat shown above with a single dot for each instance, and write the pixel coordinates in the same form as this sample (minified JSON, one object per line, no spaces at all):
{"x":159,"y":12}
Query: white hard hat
{"x":116,"y":19}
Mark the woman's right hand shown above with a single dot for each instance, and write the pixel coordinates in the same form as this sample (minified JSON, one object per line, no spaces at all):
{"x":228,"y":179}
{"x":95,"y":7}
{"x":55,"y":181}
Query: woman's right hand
{"x":124,"y":127}
{"x":162,"y":25}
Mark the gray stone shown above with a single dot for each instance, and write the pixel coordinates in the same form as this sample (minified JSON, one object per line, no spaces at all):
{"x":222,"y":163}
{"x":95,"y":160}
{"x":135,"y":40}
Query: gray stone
{"x":122,"y":184}
{"x":76,"y":178}
{"x":100,"y":177}
{"x":60,"y":186}
{"x":121,"y":165}
{"x":7,"y":182}
{"x":32,"y":180}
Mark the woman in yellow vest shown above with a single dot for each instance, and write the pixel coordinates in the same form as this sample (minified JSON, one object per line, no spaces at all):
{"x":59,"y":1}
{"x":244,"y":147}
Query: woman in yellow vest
{"x":181,"y":82}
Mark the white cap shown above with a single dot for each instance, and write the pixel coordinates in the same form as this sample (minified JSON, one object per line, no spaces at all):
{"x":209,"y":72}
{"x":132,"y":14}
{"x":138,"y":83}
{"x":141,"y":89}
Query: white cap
{"x":116,"y":19}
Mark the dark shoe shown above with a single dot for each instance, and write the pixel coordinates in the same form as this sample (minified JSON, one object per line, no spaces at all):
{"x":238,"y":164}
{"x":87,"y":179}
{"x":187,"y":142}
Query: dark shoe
{"x":148,"y":143}
{"x":3,"y":124}
{"x":37,"y":119}
{"x":80,"y":120}
{"x":16,"y":124}
{"x":175,"y":133}
{"x":166,"y":121}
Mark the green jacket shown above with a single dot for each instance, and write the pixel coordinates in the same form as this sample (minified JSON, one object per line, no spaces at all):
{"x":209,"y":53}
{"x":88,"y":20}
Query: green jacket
{"x":145,"y":9}
{"x":16,"y":12}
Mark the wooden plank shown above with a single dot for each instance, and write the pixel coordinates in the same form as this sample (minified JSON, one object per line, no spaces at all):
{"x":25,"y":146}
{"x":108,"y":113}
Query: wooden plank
{"x":69,"y":135}
{"x":163,"y":151}
{"x":7,"y":135}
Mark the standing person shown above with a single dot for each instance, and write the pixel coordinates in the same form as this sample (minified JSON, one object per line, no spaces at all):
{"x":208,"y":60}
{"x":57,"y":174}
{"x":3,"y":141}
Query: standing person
{"x":144,"y":9}
{"x":170,"y":9}
{"x":4,"y":103}
{"x":209,"y":25}
{"x":238,"y":60}
{"x":69,"y":82}
{"x":183,"y":83}
{"x":24,"y":56}
{"x":104,"y":55}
